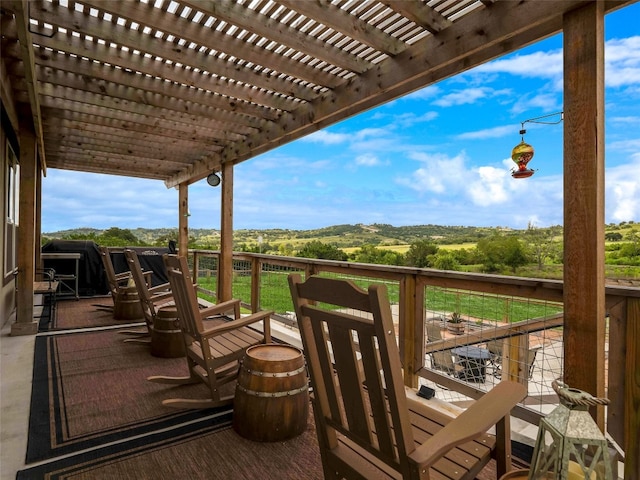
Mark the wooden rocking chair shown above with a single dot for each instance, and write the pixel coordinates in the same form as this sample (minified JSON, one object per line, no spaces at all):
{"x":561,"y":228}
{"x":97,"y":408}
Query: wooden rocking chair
{"x":213,"y":354}
{"x":151,"y":298}
{"x":367,"y":426}
{"x":116,"y":281}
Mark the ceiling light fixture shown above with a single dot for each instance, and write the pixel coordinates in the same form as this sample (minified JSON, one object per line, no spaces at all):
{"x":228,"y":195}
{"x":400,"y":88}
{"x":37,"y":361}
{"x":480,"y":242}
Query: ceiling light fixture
{"x":213,"y":179}
{"x":523,"y":152}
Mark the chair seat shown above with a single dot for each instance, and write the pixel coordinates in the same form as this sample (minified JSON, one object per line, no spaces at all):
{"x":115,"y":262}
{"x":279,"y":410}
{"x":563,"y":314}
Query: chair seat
{"x":230,"y":343}
{"x":462,"y":462}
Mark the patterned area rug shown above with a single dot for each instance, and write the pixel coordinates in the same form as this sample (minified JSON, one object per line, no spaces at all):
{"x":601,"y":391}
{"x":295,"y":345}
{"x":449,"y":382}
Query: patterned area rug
{"x":84,"y":313}
{"x":91,"y":388}
{"x":213,"y":452}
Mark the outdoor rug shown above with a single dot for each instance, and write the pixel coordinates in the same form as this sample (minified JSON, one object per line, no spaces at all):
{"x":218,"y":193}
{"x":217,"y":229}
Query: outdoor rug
{"x":215,"y":452}
{"x":91,"y":388}
{"x":84,"y":313}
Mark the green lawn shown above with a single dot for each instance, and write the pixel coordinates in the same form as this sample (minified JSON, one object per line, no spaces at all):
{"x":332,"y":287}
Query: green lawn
{"x":275,"y":296}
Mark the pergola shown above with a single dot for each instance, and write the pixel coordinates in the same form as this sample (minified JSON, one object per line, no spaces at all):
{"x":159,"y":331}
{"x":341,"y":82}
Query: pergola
{"x":176,"y":90}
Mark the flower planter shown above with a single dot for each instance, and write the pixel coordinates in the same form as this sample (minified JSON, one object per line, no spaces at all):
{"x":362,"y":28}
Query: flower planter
{"x":456,"y":328}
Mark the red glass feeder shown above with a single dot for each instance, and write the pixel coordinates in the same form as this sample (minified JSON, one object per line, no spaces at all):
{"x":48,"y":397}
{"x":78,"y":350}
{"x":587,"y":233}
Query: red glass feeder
{"x":521,"y":155}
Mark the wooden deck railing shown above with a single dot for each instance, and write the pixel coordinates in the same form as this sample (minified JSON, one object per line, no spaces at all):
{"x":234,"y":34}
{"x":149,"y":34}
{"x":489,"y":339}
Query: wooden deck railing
{"x":409,"y":287}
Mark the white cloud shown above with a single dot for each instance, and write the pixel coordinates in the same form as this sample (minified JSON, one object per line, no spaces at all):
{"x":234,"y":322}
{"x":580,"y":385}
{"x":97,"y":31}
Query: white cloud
{"x":426,"y":93}
{"x":538,"y":64}
{"x":408,"y":119}
{"x":468,"y":96}
{"x":495,"y":132}
{"x":439,"y":173}
{"x":630,"y":145}
{"x":367,"y":160}
{"x":545,"y":101}
{"x":623,"y":191}
{"x":325,"y":137}
{"x":622,"y":62}
{"x":624,"y":120}
{"x":490,"y":188}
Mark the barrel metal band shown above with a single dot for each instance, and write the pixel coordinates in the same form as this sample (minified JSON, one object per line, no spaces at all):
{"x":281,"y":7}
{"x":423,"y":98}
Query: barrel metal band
{"x":260,"y":373}
{"x":166,"y":331}
{"x":272,"y":394}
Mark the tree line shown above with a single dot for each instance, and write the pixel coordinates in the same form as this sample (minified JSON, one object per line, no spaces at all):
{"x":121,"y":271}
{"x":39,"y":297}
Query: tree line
{"x":500,"y":251}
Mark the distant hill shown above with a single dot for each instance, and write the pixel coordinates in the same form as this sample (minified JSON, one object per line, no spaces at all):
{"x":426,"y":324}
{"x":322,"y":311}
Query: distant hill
{"x":341,"y":235}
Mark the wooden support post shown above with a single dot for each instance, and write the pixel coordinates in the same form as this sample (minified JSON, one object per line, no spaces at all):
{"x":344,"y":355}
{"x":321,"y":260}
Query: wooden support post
{"x":584,"y":286}
{"x":225,"y":263}
{"x":25,"y":324}
{"x":183,"y":220}
{"x":632,"y":391}
{"x":407,"y":311}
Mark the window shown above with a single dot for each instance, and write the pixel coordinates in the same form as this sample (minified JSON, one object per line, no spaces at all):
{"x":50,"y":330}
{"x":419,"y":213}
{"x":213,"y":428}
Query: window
{"x":11,"y":209}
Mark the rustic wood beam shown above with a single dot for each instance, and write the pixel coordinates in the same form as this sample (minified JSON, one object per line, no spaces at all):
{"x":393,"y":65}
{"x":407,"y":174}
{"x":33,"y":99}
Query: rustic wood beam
{"x":259,"y":24}
{"x":56,"y":67}
{"x":20,"y":9}
{"x":247,"y":83}
{"x":83,"y":162}
{"x":143,"y":128}
{"x":149,"y":16}
{"x":55,"y":96}
{"x":169,"y":159}
{"x":420,"y":13}
{"x":322,"y":11}
{"x":584,"y":284}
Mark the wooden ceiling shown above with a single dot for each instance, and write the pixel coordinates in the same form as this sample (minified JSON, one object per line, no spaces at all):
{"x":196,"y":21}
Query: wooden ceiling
{"x":170,"y":90}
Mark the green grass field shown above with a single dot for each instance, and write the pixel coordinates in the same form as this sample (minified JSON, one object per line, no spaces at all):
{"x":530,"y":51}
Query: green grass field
{"x":477,"y":307}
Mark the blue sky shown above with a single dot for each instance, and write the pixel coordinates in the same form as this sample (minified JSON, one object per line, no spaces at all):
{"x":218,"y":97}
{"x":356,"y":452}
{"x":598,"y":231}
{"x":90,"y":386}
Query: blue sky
{"x":438,"y":156}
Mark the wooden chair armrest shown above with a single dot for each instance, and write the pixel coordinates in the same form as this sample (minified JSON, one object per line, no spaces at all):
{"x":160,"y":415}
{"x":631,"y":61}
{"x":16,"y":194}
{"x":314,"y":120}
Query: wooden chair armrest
{"x":240,"y":322}
{"x":483,"y":414}
{"x":159,"y":288}
{"x":220,"y":308}
{"x":163,"y":297}
{"x":123,"y":276}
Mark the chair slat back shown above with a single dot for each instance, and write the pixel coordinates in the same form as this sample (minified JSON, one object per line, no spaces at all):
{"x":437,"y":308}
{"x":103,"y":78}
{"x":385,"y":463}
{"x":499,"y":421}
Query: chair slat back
{"x":184,"y":295}
{"x":148,"y":306}
{"x":354,"y":364}
{"x":112,"y":280}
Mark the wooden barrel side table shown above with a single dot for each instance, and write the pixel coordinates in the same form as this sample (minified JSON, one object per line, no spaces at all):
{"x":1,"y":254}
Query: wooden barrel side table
{"x":272,"y":394}
{"x":167,"y":340}
{"x":127,"y":304}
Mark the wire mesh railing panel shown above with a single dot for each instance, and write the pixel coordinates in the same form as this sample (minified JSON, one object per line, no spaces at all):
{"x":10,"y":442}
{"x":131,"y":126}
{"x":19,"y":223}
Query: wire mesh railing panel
{"x":393,"y":289}
{"x":207,"y":276}
{"x":274,"y":289}
{"x":480,"y":339}
{"x":241,"y":287}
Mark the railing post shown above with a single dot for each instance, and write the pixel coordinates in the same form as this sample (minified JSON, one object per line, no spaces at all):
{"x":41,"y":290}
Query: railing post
{"x":515,"y":364}
{"x":256,"y":275}
{"x":408,"y":328}
{"x":196,"y":266}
